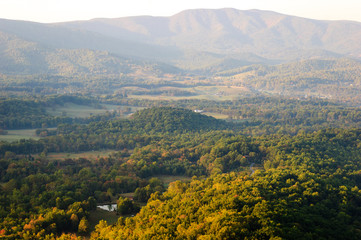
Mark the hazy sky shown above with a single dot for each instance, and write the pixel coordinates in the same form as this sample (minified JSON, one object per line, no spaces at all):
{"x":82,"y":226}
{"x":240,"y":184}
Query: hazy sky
{"x":67,"y":10}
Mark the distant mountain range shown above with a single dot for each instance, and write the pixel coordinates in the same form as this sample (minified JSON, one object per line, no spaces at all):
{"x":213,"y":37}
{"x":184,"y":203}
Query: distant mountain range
{"x":230,"y":31}
{"x":205,"y":42}
{"x":193,"y":39}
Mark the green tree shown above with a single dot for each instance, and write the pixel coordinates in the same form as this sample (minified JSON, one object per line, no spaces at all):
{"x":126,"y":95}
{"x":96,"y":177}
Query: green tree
{"x":125,"y":206}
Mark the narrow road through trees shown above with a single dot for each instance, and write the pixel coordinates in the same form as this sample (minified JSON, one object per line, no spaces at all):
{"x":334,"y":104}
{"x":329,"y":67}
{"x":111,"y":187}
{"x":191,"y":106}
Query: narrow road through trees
{"x":251,"y":168}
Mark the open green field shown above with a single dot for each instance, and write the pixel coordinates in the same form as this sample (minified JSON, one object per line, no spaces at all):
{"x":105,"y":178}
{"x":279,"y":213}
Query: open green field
{"x":164,"y":97}
{"x":218,"y":93}
{"x":170,"y":98}
{"x":15,"y":135}
{"x":99,"y":214}
{"x":169,"y":178}
{"x":80,"y":111}
{"x":90,"y":155}
{"x":216,"y":115}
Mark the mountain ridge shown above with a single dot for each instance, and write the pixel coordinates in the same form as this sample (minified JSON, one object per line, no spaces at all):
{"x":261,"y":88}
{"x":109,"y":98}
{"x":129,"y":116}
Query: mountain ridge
{"x":56,"y":36}
{"x":22,"y":57}
{"x":203,"y":40}
{"x":231,"y":30}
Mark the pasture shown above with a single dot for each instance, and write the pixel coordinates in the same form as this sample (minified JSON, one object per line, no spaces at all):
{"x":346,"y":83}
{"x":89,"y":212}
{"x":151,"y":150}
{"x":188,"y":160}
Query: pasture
{"x":79,"y":111}
{"x":90,"y":155}
{"x":217,"y":93}
{"x":15,"y":135}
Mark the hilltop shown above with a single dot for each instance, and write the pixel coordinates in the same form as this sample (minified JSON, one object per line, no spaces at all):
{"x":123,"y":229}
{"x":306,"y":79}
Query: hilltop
{"x":167,"y":119}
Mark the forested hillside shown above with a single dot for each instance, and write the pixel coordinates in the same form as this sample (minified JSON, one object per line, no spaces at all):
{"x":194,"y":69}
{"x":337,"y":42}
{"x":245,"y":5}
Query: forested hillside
{"x":304,"y":193}
{"x":24,"y":57}
{"x":269,"y":186}
{"x":32,"y":113}
{"x":331,"y":79}
{"x":209,"y":124}
{"x":175,"y":120}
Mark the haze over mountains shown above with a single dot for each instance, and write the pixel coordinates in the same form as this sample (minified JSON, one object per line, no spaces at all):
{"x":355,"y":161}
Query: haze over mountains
{"x":193,"y":37}
{"x":218,"y":44}
{"x":231,"y":31}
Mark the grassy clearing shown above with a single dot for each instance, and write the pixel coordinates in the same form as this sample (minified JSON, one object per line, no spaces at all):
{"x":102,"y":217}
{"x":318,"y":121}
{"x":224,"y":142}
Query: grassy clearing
{"x":15,"y":135}
{"x":99,"y":214}
{"x":221,"y":93}
{"x":90,"y":155}
{"x":134,"y":109}
{"x":167,"y":179}
{"x":216,"y":115}
{"x":83,"y":111}
{"x":164,"y":97}
{"x":128,"y":195}
{"x":175,"y":98}
{"x":218,"y":93}
{"x":79,"y":111}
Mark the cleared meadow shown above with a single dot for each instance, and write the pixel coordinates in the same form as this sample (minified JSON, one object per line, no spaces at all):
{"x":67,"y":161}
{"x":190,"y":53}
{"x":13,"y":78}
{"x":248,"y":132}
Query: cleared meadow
{"x":217,"y":93}
{"x":90,"y":155}
{"x":15,"y":135}
{"x":80,"y":111}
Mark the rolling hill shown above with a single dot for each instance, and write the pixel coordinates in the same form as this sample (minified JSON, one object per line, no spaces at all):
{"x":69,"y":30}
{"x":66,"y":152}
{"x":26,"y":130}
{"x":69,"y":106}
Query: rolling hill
{"x":167,"y":119}
{"x":20,"y":56}
{"x":323,"y":78}
{"x":55,"y":36}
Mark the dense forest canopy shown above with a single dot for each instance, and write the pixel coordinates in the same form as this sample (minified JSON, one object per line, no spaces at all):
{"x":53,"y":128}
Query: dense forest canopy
{"x":200,"y":128}
{"x":286,"y":185}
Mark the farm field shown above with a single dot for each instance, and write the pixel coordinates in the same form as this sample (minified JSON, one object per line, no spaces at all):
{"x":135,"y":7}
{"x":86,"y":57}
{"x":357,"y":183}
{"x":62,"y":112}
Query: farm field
{"x":15,"y":135}
{"x":217,"y":93}
{"x":216,"y":115}
{"x":82,"y":111}
{"x":90,"y":155}
{"x":79,"y":111}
